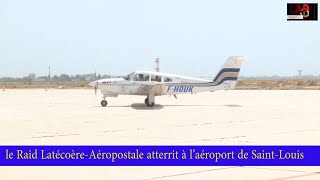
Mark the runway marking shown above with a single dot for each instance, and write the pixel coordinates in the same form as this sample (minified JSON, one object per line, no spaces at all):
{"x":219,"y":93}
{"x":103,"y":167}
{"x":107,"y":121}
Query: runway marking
{"x":111,"y":131}
{"x":150,"y":129}
{"x":51,"y":136}
{"x":298,"y":131}
{"x":298,"y":176}
{"x":188,"y":173}
{"x":213,"y":139}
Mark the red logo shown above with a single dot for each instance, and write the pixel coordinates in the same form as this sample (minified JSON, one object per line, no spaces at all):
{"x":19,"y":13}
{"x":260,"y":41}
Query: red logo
{"x":303,"y":10}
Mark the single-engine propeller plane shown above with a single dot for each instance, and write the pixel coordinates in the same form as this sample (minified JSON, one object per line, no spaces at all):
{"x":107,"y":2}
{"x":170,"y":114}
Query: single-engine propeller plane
{"x":151,"y":84}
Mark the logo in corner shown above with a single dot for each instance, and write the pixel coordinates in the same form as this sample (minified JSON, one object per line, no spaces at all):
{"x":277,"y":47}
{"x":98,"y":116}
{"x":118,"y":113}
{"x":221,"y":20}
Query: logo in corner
{"x":300,"y":12}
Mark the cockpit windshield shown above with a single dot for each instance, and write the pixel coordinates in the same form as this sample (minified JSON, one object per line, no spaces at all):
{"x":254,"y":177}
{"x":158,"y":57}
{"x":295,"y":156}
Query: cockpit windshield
{"x":129,"y":76}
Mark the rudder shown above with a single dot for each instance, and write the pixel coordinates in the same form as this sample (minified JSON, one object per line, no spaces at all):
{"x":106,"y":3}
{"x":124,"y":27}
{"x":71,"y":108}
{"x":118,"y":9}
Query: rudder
{"x":230,"y":70}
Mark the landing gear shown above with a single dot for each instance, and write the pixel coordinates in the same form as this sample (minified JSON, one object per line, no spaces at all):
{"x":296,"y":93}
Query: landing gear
{"x":148,"y":103}
{"x":104,"y":103}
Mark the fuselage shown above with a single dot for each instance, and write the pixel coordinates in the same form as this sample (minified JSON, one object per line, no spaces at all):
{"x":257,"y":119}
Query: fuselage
{"x":151,"y":84}
{"x":172,"y":84}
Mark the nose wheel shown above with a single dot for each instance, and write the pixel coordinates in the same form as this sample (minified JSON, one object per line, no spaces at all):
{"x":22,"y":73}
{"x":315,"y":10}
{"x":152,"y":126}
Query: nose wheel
{"x":148,"y":103}
{"x":104,"y":103}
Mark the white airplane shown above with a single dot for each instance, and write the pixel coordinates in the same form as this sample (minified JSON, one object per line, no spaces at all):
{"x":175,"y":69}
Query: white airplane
{"x":153,"y":84}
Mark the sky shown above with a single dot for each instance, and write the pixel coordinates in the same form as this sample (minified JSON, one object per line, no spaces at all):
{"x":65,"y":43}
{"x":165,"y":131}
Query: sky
{"x":191,"y":37}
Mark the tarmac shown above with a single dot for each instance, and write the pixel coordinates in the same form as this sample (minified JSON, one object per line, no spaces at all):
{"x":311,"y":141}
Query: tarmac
{"x":238,"y":117}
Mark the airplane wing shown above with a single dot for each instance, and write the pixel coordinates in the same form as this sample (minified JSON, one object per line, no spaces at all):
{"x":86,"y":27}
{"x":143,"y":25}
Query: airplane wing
{"x":146,"y":89}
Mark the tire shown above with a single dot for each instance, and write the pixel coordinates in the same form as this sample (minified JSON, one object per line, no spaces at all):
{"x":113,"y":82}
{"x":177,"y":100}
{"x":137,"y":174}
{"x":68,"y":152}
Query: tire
{"x":150,"y":105}
{"x":146,"y":101}
{"x":104,"y":103}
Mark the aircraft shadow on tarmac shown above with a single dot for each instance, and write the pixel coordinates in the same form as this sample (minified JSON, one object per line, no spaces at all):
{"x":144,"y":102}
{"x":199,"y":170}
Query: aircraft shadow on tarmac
{"x":141,"y":106}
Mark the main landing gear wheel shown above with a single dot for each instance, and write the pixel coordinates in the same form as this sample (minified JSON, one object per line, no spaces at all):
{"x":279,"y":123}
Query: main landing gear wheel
{"x":146,"y":101}
{"x":104,"y":103}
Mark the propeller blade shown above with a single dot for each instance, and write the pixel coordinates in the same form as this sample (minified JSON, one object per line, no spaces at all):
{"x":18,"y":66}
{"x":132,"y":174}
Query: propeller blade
{"x":95,"y":88}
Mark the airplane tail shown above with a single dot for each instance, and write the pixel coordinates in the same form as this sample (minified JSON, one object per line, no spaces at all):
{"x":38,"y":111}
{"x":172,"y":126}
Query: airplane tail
{"x":228,"y":74}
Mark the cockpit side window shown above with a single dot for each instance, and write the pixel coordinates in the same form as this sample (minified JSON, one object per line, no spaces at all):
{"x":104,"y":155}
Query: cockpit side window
{"x":155,"y":78}
{"x":141,"y":77}
{"x":166,"y":79}
{"x":128,"y":77}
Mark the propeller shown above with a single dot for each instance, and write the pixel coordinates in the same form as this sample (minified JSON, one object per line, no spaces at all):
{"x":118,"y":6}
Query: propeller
{"x":95,"y":88}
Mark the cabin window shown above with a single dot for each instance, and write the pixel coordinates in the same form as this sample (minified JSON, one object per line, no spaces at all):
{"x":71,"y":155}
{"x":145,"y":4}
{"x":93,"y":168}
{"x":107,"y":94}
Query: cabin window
{"x":156,"y":78}
{"x":167,"y":79}
{"x":141,"y":77}
{"x":128,"y":77}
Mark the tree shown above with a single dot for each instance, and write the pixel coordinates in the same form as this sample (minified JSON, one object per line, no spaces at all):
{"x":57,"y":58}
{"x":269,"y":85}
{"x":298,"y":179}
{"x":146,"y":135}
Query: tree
{"x":65,"y":77}
{"x":55,"y":78}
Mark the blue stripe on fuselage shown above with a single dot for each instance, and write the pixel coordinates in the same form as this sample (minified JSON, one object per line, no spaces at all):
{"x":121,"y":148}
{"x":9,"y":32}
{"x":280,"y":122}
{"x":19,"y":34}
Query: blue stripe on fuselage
{"x":226,"y":70}
{"x":202,"y":84}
